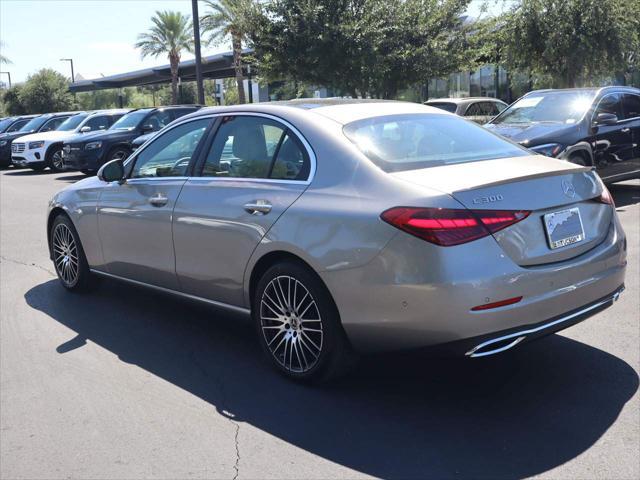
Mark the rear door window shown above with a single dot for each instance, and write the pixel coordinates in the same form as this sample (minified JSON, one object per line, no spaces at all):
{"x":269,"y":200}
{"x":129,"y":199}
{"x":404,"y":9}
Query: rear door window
{"x":631,"y":105}
{"x":474,"y":110}
{"x":255,"y":147}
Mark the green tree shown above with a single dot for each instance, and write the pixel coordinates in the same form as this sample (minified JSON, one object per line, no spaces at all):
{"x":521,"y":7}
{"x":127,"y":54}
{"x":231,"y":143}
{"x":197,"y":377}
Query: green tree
{"x":359,"y":47}
{"x":171,"y":35}
{"x":231,"y":19}
{"x":572,"y":42}
{"x":46,"y":91}
{"x":11,"y":101}
{"x":4,"y":59}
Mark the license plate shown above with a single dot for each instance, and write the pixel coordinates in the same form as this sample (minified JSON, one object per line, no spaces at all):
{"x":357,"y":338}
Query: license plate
{"x":564,"y":228}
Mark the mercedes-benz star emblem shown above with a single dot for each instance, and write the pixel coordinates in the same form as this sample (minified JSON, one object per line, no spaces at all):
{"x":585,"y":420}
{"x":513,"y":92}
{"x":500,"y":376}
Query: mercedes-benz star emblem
{"x":568,"y":189}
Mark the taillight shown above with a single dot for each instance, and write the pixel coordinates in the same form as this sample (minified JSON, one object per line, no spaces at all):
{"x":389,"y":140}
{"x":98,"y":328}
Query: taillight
{"x":447,"y":226}
{"x":605,"y":197}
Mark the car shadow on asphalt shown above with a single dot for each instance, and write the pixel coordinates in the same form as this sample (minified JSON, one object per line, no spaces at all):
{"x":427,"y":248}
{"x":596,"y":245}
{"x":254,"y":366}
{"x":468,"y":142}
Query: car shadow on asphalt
{"x":395,"y":416}
{"x":27,"y":172}
{"x":625,"y":194}
{"x":72,"y":178}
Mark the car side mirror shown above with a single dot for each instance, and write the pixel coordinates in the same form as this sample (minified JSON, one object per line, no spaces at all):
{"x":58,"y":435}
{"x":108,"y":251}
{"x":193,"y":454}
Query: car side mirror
{"x":112,"y":171}
{"x":606,"y":119}
{"x":85,"y":129}
{"x":147,"y":128}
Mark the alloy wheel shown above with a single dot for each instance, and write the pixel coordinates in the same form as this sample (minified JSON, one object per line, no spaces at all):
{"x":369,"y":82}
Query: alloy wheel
{"x":291,"y":324}
{"x":65,"y":254}
{"x":57,"y":161}
{"x":119,"y":155}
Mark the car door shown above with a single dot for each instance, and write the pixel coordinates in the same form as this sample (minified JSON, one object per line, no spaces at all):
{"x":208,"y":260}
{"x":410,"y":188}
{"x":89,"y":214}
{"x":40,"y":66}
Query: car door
{"x":134,"y":217}
{"x":255,"y":168}
{"x":612,"y":144}
{"x":631,"y":110}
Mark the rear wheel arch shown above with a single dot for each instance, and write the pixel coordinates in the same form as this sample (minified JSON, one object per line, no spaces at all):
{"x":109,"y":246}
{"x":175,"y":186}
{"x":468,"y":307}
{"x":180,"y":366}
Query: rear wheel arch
{"x":55,"y":213}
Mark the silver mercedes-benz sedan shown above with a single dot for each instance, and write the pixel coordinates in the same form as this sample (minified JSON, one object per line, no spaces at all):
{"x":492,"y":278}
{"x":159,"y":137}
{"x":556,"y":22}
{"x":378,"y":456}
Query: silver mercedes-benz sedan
{"x":345,"y":226}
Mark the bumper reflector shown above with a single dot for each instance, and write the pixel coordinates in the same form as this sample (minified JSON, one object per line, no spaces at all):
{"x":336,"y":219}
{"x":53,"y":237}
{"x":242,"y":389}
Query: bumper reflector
{"x":501,"y":303}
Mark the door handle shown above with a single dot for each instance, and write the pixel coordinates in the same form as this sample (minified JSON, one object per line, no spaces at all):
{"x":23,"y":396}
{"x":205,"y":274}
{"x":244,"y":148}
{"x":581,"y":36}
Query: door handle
{"x":158,"y":201}
{"x":625,"y":130}
{"x":259,"y":207}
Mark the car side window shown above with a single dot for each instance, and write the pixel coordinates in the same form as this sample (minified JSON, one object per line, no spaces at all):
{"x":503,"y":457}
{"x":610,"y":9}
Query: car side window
{"x":114,"y":118}
{"x":291,"y":161}
{"x":158,"y":120}
{"x":631,"y":105}
{"x":97,"y":123}
{"x":17,"y":126}
{"x":491,"y":108}
{"x":244,"y":147}
{"x":473,"y":110}
{"x":170,"y":153}
{"x":609,"y":104}
{"x":52,"y":124}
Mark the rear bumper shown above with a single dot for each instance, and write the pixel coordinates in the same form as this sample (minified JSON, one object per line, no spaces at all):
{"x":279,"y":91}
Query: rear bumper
{"x":415,"y":294}
{"x":502,"y":341}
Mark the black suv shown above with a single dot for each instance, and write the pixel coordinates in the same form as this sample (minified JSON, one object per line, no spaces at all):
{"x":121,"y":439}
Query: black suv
{"x":38,"y":123}
{"x":589,"y":126}
{"x":13,"y":124}
{"x":89,"y":152}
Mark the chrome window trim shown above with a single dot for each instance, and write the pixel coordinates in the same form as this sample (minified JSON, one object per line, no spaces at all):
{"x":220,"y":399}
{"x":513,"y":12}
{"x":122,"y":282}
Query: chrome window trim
{"x":200,"y":179}
{"x":215,"y":303}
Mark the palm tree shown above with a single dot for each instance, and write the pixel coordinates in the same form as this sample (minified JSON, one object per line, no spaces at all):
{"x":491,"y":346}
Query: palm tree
{"x":230,"y":18}
{"x":170,"y":34}
{"x":3,"y":59}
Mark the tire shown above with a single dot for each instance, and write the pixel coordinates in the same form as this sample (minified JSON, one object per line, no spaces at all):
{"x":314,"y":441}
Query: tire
{"x":578,"y":159}
{"x":68,"y":256}
{"x":293,"y":312}
{"x":54,"y":159}
{"x":118,"y":153}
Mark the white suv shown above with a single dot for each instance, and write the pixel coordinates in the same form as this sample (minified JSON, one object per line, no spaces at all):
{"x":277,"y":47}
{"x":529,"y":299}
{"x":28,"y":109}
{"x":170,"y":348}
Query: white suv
{"x":44,"y":149}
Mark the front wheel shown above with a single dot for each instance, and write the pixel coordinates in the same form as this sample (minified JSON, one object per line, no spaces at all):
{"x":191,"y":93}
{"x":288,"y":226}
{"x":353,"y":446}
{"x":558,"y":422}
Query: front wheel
{"x":68,"y":256}
{"x":56,"y":164}
{"x":298,"y":324}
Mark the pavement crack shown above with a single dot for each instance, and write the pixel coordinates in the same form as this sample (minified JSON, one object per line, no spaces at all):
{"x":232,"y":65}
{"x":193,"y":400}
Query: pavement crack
{"x":32,"y":264}
{"x":222,"y":408}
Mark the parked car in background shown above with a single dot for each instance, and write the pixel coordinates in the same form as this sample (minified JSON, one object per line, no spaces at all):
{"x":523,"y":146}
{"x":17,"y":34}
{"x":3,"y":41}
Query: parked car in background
{"x":89,"y":152}
{"x":44,"y":149}
{"x":139,"y":141}
{"x":13,"y":124}
{"x":477,"y":109}
{"x":39,"y":123}
{"x":588,"y":126}
{"x":455,"y":236}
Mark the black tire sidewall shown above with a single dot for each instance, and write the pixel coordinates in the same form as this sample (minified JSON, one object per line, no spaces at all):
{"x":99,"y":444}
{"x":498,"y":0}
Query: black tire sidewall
{"x":113,"y":151}
{"x":333,"y":335}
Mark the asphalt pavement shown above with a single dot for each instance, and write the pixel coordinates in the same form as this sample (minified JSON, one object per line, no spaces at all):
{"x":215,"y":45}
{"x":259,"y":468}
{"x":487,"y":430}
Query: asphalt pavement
{"x":125,"y":383}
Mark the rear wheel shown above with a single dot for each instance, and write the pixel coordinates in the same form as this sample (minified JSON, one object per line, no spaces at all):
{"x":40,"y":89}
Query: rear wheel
{"x":298,"y":324}
{"x":68,"y":256}
{"x":55,"y":162}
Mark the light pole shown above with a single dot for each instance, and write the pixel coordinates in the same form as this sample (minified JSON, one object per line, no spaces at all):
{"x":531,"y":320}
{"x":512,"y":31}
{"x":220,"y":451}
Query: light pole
{"x":8,"y":75}
{"x":196,"y":45}
{"x":70,"y":60}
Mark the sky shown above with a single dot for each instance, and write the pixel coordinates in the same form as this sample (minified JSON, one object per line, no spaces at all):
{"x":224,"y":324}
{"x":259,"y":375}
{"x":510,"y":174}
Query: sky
{"x":98,"y":34}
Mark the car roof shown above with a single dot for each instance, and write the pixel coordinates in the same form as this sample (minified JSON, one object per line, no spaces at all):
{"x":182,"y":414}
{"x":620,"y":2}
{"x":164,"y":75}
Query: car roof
{"x":340,"y":110}
{"x":460,"y":100}
{"x":587,"y":89}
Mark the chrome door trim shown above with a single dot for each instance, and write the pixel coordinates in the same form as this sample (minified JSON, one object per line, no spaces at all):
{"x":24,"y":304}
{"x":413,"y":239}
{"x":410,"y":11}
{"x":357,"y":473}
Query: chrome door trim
{"x":520,"y":335}
{"x":226,"y":306}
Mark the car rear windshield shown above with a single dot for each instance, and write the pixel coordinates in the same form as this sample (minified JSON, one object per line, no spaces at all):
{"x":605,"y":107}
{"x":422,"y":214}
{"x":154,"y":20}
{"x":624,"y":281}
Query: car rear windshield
{"x":447,"y":106}
{"x":130,"y":120}
{"x":72,"y":122}
{"x":412,"y":141}
{"x":34,"y":124}
{"x":566,"y":106}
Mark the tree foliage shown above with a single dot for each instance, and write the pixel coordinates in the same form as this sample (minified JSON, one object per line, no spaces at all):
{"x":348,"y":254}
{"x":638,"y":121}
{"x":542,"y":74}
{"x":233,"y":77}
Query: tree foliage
{"x":231,"y":19}
{"x":360,"y":47}
{"x":171,"y":34}
{"x":11,"y":103}
{"x":46,"y":91}
{"x":571,"y":42}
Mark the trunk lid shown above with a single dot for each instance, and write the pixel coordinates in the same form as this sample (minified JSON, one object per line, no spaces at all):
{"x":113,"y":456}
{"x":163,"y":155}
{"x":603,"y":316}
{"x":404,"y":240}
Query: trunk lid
{"x":538,"y":184}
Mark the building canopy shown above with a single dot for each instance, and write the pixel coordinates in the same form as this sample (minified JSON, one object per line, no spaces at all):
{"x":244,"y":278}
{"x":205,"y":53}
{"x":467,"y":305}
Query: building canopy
{"x":213,"y":66}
